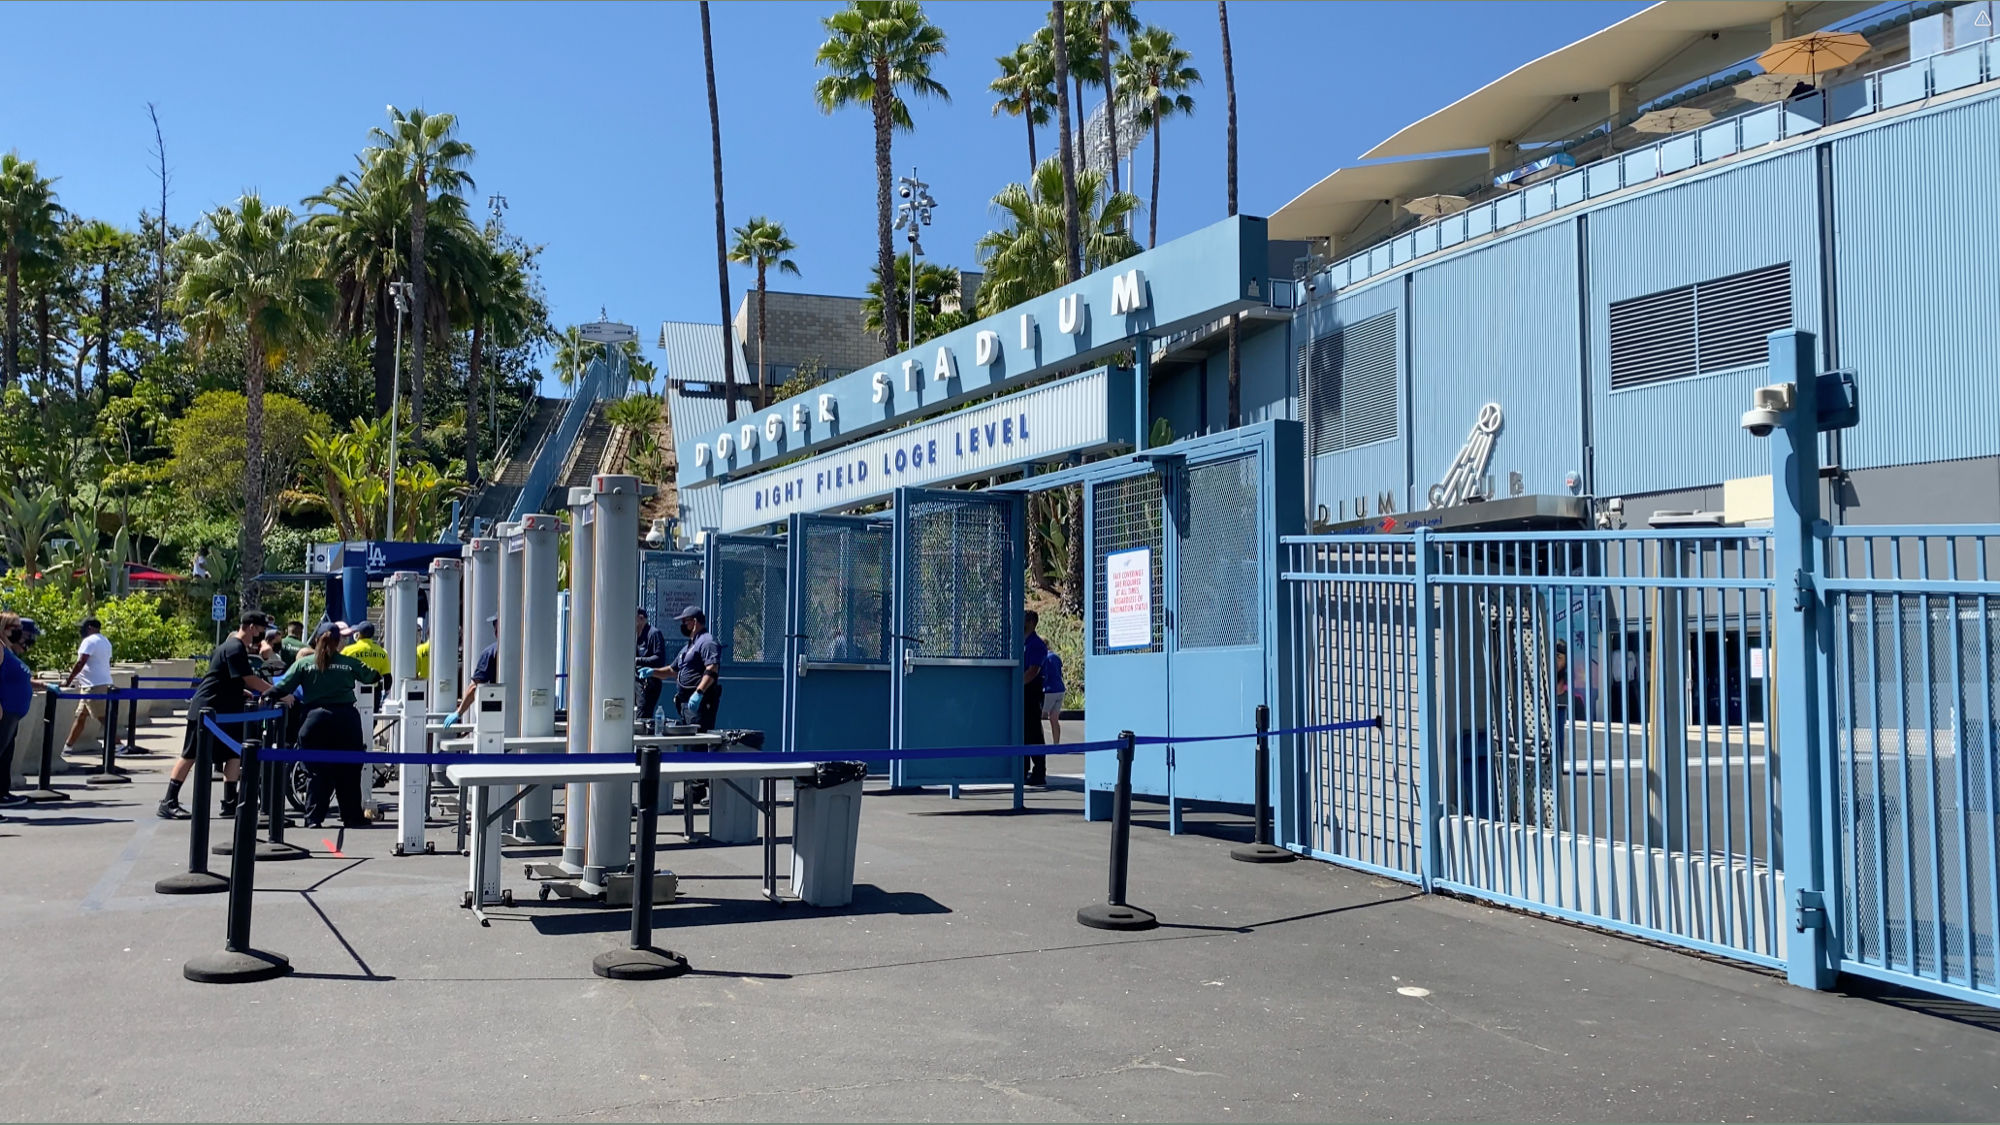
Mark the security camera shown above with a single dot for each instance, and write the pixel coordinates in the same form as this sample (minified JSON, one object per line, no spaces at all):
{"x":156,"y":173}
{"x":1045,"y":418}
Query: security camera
{"x":904,"y":191}
{"x":1767,"y":408}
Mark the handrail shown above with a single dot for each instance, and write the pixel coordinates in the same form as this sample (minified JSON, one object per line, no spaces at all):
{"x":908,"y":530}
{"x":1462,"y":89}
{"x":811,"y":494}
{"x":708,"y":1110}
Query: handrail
{"x":1888,"y":88}
{"x":602,"y":381}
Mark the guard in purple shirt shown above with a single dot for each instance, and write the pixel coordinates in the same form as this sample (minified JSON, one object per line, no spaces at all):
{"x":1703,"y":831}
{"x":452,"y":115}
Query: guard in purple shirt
{"x":1035,"y":653}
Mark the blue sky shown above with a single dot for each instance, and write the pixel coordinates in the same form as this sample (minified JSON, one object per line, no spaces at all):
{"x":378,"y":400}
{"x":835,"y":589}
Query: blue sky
{"x":592,"y":120}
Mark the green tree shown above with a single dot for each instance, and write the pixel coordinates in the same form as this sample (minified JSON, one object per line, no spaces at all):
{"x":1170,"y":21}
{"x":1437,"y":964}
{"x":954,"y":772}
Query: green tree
{"x":504,"y":312}
{"x":1235,"y":328}
{"x":427,"y":156}
{"x":1111,"y":19}
{"x":1024,"y":90}
{"x":361,"y":234}
{"x":721,"y":224}
{"x":875,"y":50}
{"x":252,"y":266}
{"x":101,"y":244}
{"x":936,"y":284}
{"x":1059,"y":51}
{"x":1023,"y":257}
{"x":212,"y":457}
{"x":1154,"y":76}
{"x":1083,"y":66}
{"x":763,"y":244}
{"x":29,"y":220}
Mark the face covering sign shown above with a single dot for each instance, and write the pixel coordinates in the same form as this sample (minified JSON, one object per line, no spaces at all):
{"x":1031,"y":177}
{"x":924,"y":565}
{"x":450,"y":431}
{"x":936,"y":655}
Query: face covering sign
{"x":1128,"y":592}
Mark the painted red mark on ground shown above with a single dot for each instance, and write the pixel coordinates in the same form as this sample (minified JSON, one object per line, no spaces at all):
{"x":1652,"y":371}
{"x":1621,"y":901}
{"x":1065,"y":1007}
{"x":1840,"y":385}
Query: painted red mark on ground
{"x":329,"y":847}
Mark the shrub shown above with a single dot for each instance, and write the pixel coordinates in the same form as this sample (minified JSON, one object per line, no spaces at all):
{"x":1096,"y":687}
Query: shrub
{"x":137,"y":625}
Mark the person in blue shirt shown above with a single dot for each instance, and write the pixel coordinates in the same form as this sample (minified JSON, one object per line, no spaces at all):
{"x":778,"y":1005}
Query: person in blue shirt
{"x":485,"y":670}
{"x":17,"y":694}
{"x":1035,"y":651}
{"x":650,"y":650}
{"x":1053,"y":690}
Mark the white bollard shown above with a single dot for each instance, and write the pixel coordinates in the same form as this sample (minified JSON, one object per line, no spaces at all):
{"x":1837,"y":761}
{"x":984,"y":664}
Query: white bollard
{"x":482,"y":598}
{"x":408,"y":697}
{"x":537,"y":676}
{"x":615,"y":511}
{"x":508,"y":667}
{"x":446,"y":609}
{"x":582,"y":607}
{"x":489,"y":736}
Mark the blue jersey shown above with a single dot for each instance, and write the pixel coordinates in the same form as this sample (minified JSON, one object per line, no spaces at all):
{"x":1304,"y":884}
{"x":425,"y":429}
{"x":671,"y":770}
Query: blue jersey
{"x":1052,"y":681}
{"x":17,"y":684}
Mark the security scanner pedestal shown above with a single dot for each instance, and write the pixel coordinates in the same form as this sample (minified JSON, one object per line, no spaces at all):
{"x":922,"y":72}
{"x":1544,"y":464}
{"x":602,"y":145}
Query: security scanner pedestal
{"x":533,"y":551}
{"x":489,"y":738}
{"x":578,"y":688}
{"x":409,"y":705}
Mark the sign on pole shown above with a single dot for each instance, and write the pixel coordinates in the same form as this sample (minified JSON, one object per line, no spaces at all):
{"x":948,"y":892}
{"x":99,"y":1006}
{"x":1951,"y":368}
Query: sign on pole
{"x":606,"y":332}
{"x":219,"y":608}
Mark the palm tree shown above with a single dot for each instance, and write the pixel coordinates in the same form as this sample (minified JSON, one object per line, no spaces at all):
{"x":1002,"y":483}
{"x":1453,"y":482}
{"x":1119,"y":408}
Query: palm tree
{"x":101,"y":243}
{"x":501,"y":311}
{"x":361,"y":236}
{"x":1071,"y":226}
{"x":935,"y":284}
{"x":1154,"y":77}
{"x":573,"y":354}
{"x":29,"y":218}
{"x":1024,"y":91}
{"x":721,"y":224}
{"x":253,"y":266}
{"x":875,"y":50}
{"x":426,"y":154}
{"x":1025,"y":257}
{"x":1229,"y":92}
{"x":1113,"y":18}
{"x":764,"y":244}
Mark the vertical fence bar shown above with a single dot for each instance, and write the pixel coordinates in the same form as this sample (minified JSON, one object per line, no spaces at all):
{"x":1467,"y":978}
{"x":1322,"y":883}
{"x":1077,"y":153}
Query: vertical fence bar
{"x":1427,"y":752}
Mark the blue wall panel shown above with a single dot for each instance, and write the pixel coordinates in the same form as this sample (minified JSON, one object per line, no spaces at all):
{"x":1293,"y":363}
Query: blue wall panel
{"x":1684,"y":433}
{"x":1918,"y":276}
{"x":1175,"y":398}
{"x":1499,"y":325}
{"x":1367,"y":470}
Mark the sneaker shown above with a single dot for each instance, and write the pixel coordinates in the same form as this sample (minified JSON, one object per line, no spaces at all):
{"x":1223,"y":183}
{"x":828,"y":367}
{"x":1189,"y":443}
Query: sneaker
{"x":9,"y":800}
{"x":228,"y":810}
{"x":171,"y":810}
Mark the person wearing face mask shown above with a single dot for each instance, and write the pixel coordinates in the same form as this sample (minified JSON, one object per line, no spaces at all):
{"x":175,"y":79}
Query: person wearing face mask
{"x":697,"y":670}
{"x":17,"y":695}
{"x":233,"y":670}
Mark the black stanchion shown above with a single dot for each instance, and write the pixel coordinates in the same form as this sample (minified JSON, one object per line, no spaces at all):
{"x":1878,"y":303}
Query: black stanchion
{"x":47,"y":791}
{"x":270,"y":799}
{"x":1261,"y":849}
{"x":197,"y":879}
{"x":108,"y":773}
{"x":640,"y":960}
{"x":239,"y":962}
{"x":1116,"y":913}
{"x":130,"y":748}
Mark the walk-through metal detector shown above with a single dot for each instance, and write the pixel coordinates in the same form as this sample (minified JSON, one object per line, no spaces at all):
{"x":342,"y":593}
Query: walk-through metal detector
{"x":839,"y":582}
{"x":1184,"y":633}
{"x":745,"y":597}
{"x":669,"y":582}
{"x":956,"y":640}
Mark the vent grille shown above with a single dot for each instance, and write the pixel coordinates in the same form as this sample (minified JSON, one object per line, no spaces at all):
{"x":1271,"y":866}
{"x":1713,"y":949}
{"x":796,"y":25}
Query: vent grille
{"x":1699,"y":329}
{"x":1351,"y":387}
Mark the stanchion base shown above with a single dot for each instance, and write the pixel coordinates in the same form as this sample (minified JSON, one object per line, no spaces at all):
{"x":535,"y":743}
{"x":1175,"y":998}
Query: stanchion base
{"x":39,"y":795}
{"x":236,"y":967}
{"x":136,"y":752}
{"x":1105,"y":916}
{"x":1262,"y":853}
{"x":191,"y":883}
{"x":266,"y":850}
{"x":107,"y":779}
{"x":639,"y":964}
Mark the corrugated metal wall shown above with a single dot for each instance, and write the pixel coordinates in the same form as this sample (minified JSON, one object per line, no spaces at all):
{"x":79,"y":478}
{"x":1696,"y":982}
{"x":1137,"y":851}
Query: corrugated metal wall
{"x":1917,"y":264}
{"x":1499,"y":325}
{"x":1684,"y":433}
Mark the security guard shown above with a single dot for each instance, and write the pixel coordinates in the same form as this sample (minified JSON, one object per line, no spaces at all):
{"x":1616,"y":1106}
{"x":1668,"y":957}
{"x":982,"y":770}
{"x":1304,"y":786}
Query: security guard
{"x":697,"y":670}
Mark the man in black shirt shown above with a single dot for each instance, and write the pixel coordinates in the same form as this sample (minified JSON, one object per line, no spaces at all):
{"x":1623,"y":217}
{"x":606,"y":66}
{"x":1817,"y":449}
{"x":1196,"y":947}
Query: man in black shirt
{"x":651,"y":651}
{"x":232,"y":671}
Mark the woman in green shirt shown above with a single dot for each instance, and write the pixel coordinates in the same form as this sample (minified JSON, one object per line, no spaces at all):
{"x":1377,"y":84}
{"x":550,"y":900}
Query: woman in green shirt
{"x":324,"y":679}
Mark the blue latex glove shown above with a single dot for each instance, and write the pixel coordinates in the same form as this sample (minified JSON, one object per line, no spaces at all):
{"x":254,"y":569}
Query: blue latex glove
{"x":451,"y":720}
{"x":644,"y":671}
{"x":694,"y":701}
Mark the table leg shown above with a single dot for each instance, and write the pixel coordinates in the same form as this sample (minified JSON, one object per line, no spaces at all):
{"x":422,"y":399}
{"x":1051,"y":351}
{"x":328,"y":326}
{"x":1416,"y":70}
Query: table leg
{"x":770,"y":810}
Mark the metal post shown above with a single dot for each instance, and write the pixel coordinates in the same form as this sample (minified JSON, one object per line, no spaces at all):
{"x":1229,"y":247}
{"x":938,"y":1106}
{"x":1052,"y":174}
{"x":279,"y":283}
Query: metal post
{"x":615,"y":503}
{"x":582,"y":612}
{"x":108,"y":773}
{"x":507,"y":591}
{"x":409,"y":702}
{"x":1812,"y":952}
{"x":639,"y":960}
{"x":397,"y":289}
{"x":240,"y":962}
{"x":1260,"y":849}
{"x":1429,"y":751}
{"x":447,"y":577}
{"x":47,"y":791}
{"x":1115,"y":913}
{"x":537,"y":676}
{"x":197,"y":879}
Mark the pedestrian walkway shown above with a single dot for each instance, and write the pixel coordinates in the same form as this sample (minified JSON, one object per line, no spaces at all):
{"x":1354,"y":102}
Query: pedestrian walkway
{"x":957,"y":987}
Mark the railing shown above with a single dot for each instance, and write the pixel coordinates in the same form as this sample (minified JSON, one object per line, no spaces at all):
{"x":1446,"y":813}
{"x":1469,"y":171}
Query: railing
{"x":1766,"y":125}
{"x":602,"y":381}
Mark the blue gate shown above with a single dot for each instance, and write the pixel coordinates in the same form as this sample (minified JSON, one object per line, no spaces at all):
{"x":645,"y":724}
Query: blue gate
{"x":746,"y":606}
{"x":1909,"y":640}
{"x":669,"y":582}
{"x":836,"y":675}
{"x":956,"y":643}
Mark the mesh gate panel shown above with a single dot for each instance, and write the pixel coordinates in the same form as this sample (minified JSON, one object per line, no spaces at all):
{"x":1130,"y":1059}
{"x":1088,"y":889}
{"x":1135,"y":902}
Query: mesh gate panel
{"x":1219,"y":553}
{"x":1128,"y":513}
{"x":752,"y":592}
{"x":955,"y":602}
{"x":669,"y":581}
{"x":847,"y":592}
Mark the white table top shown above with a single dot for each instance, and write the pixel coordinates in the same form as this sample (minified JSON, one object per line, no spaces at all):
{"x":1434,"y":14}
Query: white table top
{"x":557,"y":742}
{"x":501,"y":772}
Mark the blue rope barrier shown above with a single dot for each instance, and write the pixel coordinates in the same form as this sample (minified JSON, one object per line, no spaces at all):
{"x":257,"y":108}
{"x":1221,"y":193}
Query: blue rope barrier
{"x":150,"y":693}
{"x":166,"y":679}
{"x":221,"y":735}
{"x":1177,"y":740}
{"x":238,"y":718}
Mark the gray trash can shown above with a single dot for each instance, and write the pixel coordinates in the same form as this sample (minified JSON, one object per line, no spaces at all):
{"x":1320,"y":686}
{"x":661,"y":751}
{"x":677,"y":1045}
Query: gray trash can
{"x":732,"y":816}
{"x":826,"y":828}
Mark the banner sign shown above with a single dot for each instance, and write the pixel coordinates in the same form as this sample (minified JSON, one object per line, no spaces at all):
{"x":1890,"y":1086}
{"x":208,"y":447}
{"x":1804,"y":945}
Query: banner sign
{"x":1128,"y":599}
{"x":1083,"y":412}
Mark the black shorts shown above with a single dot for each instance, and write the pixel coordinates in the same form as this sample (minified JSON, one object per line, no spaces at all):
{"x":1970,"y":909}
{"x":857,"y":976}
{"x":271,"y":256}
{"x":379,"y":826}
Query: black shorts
{"x":218,"y":751}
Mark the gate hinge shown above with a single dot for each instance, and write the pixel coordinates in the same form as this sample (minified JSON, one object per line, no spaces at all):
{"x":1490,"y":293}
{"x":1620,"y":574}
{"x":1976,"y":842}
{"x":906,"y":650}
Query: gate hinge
{"x":1808,"y":911}
{"x":1802,"y":588}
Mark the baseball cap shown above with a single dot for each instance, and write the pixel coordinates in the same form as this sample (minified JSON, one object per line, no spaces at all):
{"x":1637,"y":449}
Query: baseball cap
{"x":691,"y":611}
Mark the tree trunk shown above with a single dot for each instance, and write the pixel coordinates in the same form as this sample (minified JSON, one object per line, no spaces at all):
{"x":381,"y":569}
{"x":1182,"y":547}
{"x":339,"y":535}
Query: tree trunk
{"x":104,"y":330}
{"x":42,"y":336}
{"x":763,"y":371}
{"x":252,"y":539}
{"x":1029,"y":116}
{"x":721,"y":225}
{"x":1235,"y":326}
{"x":1037,"y":544}
{"x":419,"y":293}
{"x":1072,"y":266}
{"x":1072,"y":594}
{"x":1082,"y":142}
{"x":885,"y":252}
{"x":472,"y":402}
{"x":1110,"y":99}
{"x":384,"y":361}
{"x":1153,"y":210}
{"x":13,"y":357}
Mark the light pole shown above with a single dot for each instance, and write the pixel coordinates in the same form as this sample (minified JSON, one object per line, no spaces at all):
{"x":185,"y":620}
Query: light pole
{"x":912,"y":213}
{"x":400,"y":291}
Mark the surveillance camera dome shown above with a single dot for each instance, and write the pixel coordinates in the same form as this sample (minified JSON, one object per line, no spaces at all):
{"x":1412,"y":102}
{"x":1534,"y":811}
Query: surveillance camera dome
{"x":1760,"y":421}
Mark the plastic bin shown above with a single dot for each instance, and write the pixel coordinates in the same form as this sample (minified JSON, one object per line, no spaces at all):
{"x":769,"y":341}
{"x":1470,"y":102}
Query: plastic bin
{"x":732,"y":816}
{"x":826,"y":829}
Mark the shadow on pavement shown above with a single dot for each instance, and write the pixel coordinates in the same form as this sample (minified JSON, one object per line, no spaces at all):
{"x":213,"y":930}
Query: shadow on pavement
{"x":687,"y":911}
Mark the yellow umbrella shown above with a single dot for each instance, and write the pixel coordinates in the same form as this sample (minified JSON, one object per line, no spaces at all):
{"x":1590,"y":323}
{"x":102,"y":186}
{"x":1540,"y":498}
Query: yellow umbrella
{"x":1673,"y":120}
{"x":1765,"y":88}
{"x":1437,"y":206}
{"x":1813,"y":55}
